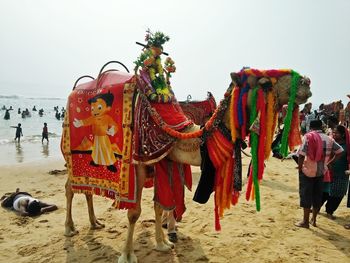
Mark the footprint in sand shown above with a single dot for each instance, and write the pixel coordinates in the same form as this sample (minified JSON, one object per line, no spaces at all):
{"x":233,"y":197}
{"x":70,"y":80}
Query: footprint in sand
{"x":271,"y":220}
{"x":20,"y":221}
{"x":100,"y":258}
{"x":27,"y":250}
{"x":92,"y":248}
{"x":202,"y":258}
{"x":203,"y":228}
{"x":113,"y":231}
{"x":148,"y":223}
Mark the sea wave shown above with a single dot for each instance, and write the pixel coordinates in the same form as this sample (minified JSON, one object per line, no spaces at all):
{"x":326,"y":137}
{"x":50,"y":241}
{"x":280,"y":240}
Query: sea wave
{"x":29,"y":139}
{"x":9,"y":97}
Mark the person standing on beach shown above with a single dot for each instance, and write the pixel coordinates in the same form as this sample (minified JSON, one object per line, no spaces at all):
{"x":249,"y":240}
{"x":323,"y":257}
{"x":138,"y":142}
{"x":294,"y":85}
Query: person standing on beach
{"x":340,"y":180}
{"x":314,"y":155}
{"x":18,"y":132}
{"x":45,"y":133}
{"x":7,"y":115}
{"x":303,"y":115}
{"x":332,"y":123}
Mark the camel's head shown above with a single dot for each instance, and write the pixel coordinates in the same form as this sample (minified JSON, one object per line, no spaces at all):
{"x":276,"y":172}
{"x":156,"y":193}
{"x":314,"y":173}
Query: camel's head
{"x":280,"y":81}
{"x":282,"y":89}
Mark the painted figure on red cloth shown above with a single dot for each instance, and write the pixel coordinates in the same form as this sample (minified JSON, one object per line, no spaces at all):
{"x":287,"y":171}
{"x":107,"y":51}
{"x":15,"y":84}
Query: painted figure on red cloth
{"x":102,"y":125}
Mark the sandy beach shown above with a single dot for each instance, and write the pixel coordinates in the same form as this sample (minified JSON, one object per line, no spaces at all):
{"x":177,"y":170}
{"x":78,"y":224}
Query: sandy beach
{"x":246,"y":236}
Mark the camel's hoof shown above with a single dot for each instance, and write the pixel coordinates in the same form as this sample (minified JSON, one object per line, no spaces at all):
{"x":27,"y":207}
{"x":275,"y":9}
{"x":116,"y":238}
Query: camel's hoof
{"x":169,"y":243}
{"x":70,"y":232}
{"x":97,"y":225}
{"x":163,"y":247}
{"x":127,"y":258}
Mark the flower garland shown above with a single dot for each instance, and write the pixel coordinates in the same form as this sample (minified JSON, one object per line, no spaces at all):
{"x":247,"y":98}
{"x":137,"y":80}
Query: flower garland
{"x":150,"y":61}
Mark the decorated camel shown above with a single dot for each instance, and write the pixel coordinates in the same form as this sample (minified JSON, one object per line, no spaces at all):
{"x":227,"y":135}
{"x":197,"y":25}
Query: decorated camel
{"x":119,"y":125}
{"x":337,"y":110}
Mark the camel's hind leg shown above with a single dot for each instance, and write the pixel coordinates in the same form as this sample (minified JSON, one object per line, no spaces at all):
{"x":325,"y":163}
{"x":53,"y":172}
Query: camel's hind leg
{"x":95,"y":224}
{"x":128,"y":255}
{"x":163,"y":244}
{"x":69,"y":224}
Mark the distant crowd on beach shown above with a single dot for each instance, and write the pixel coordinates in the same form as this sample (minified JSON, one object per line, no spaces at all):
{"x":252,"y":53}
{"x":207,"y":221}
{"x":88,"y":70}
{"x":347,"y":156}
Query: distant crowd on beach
{"x":59,"y":114}
{"x":334,"y":112}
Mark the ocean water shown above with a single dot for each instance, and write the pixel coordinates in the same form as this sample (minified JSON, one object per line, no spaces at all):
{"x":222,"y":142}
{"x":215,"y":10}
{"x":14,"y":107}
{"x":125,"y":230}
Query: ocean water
{"x":30,"y":147}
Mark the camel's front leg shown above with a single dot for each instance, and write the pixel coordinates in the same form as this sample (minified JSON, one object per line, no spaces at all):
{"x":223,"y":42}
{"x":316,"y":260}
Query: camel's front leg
{"x":69,"y":224}
{"x":163,"y":244}
{"x":95,"y":224}
{"x":128,"y":255}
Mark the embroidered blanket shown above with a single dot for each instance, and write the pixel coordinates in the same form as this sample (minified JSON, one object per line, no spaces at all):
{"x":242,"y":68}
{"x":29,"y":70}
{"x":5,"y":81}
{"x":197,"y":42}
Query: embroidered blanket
{"x":199,"y":111}
{"x":151,"y":143}
{"x":97,"y":138}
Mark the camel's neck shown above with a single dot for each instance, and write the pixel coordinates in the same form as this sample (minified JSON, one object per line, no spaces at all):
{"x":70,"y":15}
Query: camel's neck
{"x":187,"y":151}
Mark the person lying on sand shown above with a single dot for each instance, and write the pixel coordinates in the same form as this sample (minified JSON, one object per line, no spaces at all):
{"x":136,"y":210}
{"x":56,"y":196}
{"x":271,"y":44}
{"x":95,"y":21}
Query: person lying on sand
{"x":25,"y":204}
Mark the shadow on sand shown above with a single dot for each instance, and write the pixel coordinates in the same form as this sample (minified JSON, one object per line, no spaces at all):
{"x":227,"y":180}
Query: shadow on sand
{"x":183,"y":251}
{"x":92,"y":250}
{"x":275,"y":185}
{"x":338,"y":241}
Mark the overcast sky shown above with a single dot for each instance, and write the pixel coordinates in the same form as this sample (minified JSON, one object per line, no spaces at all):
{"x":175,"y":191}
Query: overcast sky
{"x":45,"y":45}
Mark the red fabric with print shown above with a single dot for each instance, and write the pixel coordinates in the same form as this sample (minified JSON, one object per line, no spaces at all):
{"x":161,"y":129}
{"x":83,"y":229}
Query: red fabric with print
{"x":170,"y":178}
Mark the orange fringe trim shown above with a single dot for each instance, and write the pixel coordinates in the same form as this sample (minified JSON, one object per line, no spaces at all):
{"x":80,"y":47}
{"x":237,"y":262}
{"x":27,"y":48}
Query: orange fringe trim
{"x":270,"y":122}
{"x":294,"y":138}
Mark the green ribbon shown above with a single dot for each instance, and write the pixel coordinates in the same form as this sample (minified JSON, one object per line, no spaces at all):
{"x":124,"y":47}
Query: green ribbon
{"x":254,"y":141}
{"x":288,"y":119}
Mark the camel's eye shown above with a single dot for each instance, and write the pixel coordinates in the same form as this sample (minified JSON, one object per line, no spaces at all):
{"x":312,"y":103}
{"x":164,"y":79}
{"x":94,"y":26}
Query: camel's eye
{"x":305,"y":81}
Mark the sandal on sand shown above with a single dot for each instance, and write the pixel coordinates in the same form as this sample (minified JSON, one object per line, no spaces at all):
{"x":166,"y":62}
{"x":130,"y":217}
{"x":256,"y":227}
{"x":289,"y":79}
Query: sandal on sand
{"x":347,"y":226}
{"x":302,"y":224}
{"x":313,"y":222}
{"x":331,"y":216}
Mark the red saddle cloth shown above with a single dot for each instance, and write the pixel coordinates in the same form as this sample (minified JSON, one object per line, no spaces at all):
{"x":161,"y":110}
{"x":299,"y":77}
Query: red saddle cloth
{"x":97,"y":138}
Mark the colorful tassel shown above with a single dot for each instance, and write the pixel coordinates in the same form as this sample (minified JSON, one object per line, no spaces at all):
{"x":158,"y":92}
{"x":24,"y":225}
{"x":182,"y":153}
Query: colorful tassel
{"x":262,"y":134}
{"x":294,"y":138}
{"x":270,"y":116}
{"x":232,"y":118}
